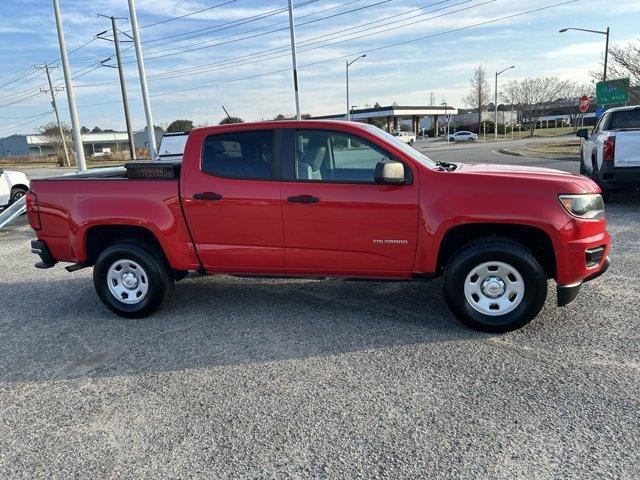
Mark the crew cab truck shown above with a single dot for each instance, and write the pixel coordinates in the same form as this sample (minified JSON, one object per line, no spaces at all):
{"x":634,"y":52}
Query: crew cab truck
{"x":610,"y":153}
{"x":326,"y":199}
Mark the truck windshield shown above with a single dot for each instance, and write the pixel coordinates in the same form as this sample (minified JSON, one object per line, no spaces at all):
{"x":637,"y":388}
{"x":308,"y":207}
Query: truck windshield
{"x":400,"y":145}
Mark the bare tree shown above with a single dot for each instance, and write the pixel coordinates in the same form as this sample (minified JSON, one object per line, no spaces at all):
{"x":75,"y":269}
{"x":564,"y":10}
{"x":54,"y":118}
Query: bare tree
{"x":532,"y":96}
{"x":569,"y":100}
{"x":52,"y":136}
{"x":479,"y":95}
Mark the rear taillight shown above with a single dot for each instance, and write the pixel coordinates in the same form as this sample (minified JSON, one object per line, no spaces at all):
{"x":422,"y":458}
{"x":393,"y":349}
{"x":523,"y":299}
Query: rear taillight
{"x":33,"y":211}
{"x":609,"y":149}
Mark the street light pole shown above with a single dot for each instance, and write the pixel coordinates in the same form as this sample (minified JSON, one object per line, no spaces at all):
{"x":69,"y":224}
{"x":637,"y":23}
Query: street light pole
{"x":446,"y":107}
{"x":151,"y":134}
{"x":292,"y":32}
{"x":606,"y":48}
{"x":348,"y":64}
{"x":495,"y":127}
{"x":71,"y":98}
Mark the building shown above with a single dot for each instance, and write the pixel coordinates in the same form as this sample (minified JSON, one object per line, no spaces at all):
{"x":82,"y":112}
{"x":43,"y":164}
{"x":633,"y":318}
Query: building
{"x":418,"y":117}
{"x":469,"y":120}
{"x":33,"y":145}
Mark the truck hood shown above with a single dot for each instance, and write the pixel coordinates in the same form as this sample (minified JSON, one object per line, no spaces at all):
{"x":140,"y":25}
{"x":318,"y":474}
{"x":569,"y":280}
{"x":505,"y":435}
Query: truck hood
{"x":548,"y":175}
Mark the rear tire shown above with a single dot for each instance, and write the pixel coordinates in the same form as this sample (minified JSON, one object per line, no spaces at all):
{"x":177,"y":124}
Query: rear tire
{"x":132,"y":280}
{"x":495,"y":285}
{"x":411,"y":143}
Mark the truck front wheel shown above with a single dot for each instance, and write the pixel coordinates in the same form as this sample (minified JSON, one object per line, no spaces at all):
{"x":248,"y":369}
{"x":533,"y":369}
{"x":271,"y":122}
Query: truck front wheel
{"x":495,"y":285}
{"x":132,"y":281}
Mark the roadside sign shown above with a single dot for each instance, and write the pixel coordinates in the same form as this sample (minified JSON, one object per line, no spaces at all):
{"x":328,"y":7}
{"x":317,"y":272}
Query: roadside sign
{"x":584,"y":103}
{"x":612,"y":91}
{"x":599,"y":112}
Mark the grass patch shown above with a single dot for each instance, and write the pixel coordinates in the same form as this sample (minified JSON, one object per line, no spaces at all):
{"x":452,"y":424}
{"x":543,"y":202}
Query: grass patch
{"x":568,"y":148}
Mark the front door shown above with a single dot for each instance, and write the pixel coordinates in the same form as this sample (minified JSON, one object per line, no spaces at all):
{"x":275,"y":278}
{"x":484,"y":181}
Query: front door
{"x":336,"y":218}
{"x":232,"y":201}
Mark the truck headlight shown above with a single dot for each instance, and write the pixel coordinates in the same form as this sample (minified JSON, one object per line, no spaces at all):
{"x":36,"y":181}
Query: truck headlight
{"x":589,"y":206}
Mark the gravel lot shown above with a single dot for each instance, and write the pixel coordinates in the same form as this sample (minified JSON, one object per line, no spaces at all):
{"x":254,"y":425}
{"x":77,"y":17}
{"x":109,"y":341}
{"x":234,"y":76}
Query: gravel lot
{"x":240,"y":378}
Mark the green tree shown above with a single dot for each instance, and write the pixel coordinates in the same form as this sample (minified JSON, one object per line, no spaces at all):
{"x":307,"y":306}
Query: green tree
{"x":180,"y":125}
{"x":228,"y":120}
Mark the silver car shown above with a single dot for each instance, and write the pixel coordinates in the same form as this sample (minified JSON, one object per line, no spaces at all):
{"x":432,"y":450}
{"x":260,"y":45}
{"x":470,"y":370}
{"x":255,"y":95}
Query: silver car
{"x":461,"y":136}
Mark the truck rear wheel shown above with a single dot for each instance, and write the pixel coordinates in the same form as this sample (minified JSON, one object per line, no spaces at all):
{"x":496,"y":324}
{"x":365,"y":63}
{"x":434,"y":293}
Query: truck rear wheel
{"x":132,"y":281}
{"x":495,"y":285}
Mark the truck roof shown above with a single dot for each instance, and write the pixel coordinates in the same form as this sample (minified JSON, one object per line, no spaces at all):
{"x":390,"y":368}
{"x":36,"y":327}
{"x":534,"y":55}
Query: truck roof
{"x":281,"y":123}
{"x":623,"y":109}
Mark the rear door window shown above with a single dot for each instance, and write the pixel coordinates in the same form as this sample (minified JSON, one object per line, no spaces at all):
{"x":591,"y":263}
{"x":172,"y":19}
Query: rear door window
{"x":243,"y":155}
{"x":626,"y":119}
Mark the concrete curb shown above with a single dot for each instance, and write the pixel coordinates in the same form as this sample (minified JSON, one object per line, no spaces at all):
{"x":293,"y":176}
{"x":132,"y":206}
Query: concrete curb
{"x":531,"y":154}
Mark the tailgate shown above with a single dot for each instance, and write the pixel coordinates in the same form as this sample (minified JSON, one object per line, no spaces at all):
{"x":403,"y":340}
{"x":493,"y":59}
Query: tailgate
{"x":627,"y":153}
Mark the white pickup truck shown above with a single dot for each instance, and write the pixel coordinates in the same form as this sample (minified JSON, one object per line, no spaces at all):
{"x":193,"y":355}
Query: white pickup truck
{"x":13,"y":186}
{"x":610,"y":153}
{"x":406,"y":137}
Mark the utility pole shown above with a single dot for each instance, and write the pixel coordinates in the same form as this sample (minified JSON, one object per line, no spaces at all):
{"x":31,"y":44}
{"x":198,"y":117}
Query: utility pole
{"x":294,"y":62}
{"x":151,"y":134}
{"x":123,"y":88}
{"x":75,"y":124}
{"x":52,"y":90}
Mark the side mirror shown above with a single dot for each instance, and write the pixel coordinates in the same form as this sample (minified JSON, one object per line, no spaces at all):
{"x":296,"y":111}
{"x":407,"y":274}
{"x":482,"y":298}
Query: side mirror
{"x":583,"y":133}
{"x":390,"y":172}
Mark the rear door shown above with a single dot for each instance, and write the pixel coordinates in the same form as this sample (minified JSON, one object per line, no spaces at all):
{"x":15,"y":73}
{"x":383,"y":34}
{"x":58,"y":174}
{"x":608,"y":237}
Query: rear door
{"x":232,"y":200}
{"x":336,"y":218}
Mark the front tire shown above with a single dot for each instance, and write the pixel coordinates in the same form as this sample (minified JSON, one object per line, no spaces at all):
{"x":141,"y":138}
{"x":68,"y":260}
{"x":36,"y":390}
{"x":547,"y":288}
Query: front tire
{"x":131,"y":280}
{"x":495,"y":285}
{"x":16,"y":194}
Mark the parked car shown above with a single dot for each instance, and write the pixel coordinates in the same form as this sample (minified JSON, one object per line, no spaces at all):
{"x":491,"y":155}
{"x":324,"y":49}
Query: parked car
{"x":610,"y":153}
{"x":406,"y":137}
{"x":326,"y":199}
{"x":461,"y":136}
{"x":13,"y":186}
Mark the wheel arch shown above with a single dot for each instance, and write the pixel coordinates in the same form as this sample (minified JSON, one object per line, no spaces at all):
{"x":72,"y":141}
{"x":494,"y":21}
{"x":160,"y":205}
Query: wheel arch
{"x":99,"y":237}
{"x":533,"y":238}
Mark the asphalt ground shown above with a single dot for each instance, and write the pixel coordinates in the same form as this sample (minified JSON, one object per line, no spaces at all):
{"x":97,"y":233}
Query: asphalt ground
{"x":245,"y":378}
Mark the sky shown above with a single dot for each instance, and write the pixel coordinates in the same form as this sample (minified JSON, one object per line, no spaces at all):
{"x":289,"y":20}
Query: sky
{"x":202,"y":54}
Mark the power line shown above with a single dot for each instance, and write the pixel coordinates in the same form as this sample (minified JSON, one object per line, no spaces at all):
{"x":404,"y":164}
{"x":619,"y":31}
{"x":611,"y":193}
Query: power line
{"x":223,"y":64}
{"x":185,"y":15}
{"x":11,"y":127}
{"x":369,"y":50}
{"x":153,"y":55}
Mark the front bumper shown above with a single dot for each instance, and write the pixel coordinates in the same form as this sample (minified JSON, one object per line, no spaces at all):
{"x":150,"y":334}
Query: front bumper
{"x":568,"y":293}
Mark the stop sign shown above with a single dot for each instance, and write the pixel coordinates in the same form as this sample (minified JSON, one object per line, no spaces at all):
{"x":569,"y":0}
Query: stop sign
{"x":584,"y":103}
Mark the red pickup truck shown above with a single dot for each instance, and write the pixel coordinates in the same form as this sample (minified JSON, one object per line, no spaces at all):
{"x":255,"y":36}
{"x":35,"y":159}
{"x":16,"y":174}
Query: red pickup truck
{"x":326,"y":199}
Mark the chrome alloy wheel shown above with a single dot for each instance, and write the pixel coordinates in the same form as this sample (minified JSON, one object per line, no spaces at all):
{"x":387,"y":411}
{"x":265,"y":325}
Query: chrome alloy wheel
{"x":494,"y":288}
{"x":127,"y":281}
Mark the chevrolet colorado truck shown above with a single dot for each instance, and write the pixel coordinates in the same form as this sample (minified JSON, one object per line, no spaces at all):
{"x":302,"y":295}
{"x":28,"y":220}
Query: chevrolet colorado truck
{"x":326,"y":199}
{"x":610,"y":153}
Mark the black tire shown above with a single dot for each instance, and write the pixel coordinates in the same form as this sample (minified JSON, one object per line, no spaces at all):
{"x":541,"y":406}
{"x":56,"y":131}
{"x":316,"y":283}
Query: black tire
{"x":451,"y":139}
{"x":411,"y":143}
{"x":156,"y":274}
{"x":16,"y":194}
{"x":606,"y":195}
{"x":495,"y":249}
